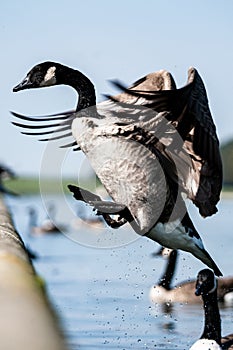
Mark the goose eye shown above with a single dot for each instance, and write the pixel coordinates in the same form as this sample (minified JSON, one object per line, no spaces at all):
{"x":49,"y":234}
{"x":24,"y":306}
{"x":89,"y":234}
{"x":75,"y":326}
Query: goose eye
{"x":37,"y":78}
{"x":202,"y":278}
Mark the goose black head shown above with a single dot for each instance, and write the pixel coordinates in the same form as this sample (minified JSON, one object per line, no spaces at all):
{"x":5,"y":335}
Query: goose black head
{"x":43,"y":74}
{"x":206,"y":282}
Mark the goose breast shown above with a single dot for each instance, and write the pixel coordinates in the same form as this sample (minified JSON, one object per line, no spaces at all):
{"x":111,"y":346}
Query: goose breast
{"x":131,"y":174}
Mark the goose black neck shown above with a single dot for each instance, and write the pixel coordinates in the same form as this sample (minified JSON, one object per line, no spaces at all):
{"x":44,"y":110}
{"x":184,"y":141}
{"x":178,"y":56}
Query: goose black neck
{"x":83,"y":86}
{"x":166,"y":279}
{"x":212,"y":328}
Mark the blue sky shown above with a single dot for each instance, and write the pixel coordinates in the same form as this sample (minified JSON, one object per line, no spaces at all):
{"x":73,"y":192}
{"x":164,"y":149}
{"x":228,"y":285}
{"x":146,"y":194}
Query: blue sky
{"x":122,"y":39}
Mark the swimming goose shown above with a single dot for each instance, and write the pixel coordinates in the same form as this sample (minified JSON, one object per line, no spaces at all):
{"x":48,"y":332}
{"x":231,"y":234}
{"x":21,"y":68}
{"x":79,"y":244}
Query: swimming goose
{"x":83,"y":220}
{"x":146,"y":147}
{"x":211,"y":339}
{"x":164,"y":292}
{"x":6,"y":173}
{"x":48,"y":226}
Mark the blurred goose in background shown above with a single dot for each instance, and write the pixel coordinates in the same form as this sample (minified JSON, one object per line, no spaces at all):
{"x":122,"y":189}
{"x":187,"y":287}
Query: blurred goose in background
{"x":163,"y":292}
{"x":147,"y":145}
{"x":87,"y":220}
{"x":6,"y":173}
{"x":211,"y":338}
{"x":48,"y":226}
{"x":183,"y":292}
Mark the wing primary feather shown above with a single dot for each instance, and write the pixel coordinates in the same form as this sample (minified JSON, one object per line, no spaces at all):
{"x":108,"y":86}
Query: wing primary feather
{"x":69,"y":145}
{"x":40,"y":126}
{"x":45,"y":132}
{"x":59,"y":116}
{"x":109,"y":97}
{"x":57,"y":137}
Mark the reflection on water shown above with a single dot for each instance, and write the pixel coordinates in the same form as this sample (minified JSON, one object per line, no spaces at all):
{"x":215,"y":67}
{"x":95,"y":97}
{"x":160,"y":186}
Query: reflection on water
{"x":167,"y":310}
{"x":102,"y":294}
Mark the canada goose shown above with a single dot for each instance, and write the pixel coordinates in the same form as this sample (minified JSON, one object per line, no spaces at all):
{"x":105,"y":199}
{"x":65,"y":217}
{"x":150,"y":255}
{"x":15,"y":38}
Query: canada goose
{"x":183,"y":292}
{"x":163,"y":292}
{"x":88,"y":221}
{"x":146,"y":146}
{"x":6,"y":173}
{"x":211,"y":339}
{"x":47,"y":226}
{"x":94,"y":222}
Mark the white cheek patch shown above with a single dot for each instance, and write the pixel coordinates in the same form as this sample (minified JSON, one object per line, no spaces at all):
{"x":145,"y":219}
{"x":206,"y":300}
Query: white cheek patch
{"x":50,"y":78}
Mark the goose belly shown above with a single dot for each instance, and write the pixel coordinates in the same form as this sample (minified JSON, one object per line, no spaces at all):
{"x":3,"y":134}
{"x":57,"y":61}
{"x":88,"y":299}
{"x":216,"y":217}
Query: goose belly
{"x":173,"y":235}
{"x":159,"y":294}
{"x":131,"y":174}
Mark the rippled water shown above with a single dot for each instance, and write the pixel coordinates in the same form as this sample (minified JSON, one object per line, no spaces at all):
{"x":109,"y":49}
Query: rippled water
{"x":102,"y":294}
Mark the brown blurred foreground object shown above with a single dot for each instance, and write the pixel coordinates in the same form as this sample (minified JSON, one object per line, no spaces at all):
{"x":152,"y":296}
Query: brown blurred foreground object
{"x":27,"y":320}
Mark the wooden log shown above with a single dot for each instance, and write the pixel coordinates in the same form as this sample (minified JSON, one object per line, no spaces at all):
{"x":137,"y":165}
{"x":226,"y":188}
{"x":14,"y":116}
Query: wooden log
{"x":27,"y":319}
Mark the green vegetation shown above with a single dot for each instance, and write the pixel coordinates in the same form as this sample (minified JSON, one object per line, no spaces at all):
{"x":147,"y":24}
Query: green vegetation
{"x":23,"y":185}
{"x":26,"y":185}
{"x":31,"y":185}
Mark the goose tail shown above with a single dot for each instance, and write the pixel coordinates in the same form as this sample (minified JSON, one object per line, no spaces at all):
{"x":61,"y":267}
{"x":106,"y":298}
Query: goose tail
{"x":205,"y":257}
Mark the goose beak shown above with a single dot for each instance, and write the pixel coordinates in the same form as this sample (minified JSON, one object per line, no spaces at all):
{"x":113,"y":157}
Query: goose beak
{"x":25,"y":84}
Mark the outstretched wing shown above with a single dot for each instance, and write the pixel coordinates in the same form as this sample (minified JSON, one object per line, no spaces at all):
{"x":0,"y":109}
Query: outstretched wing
{"x":57,"y":126}
{"x":188,"y":111}
{"x":202,"y":143}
